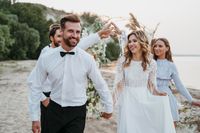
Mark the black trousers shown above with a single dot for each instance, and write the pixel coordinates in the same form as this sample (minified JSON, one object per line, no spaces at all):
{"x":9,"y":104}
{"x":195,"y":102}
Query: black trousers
{"x":43,"y":114}
{"x":65,"y":119}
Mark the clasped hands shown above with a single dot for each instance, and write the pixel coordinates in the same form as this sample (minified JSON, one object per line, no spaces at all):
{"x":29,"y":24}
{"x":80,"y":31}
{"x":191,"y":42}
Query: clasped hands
{"x":106,"y":115}
{"x":109,"y":29}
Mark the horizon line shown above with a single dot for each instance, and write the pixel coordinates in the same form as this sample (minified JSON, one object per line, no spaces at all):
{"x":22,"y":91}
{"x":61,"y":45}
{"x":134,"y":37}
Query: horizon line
{"x":191,"y":55}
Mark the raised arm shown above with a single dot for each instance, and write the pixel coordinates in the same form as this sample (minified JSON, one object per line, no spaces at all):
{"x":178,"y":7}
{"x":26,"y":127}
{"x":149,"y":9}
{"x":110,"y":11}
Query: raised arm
{"x":88,"y":41}
{"x":109,"y":29}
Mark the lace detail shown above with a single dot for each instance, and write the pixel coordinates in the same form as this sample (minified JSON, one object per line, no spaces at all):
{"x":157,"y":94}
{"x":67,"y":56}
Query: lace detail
{"x":152,"y":84}
{"x":134,"y":77}
{"x":119,"y":80}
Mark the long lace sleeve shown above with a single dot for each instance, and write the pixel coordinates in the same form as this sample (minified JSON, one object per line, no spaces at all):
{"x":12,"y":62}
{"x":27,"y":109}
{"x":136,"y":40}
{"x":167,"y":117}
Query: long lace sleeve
{"x":119,"y":80}
{"x":152,"y":84}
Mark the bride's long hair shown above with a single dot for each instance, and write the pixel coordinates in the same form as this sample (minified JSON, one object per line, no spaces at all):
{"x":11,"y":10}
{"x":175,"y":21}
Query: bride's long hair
{"x":144,"y":43}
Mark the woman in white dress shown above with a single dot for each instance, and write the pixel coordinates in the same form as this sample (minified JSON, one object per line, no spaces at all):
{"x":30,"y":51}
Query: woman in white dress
{"x":142,"y":109}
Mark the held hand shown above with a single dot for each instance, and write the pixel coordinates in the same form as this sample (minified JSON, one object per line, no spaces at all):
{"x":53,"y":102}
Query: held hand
{"x":162,"y":93}
{"x":106,"y":115}
{"x":117,"y":30}
{"x":157,"y":93}
{"x":109,"y":29}
{"x":196,"y":103}
{"x":36,"y":126}
{"x":105,"y":31}
{"x":46,"y":102}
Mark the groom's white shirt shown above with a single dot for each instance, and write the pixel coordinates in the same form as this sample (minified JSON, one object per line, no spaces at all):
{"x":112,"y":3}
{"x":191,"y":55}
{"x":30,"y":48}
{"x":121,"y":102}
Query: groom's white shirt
{"x":84,"y":44}
{"x":68,"y":76}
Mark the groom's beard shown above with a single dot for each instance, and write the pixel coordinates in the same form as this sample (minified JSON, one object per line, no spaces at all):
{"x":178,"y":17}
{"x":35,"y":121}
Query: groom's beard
{"x":71,"y":41}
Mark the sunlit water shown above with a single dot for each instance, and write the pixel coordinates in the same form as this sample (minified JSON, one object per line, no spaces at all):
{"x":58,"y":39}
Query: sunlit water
{"x":189,"y":70}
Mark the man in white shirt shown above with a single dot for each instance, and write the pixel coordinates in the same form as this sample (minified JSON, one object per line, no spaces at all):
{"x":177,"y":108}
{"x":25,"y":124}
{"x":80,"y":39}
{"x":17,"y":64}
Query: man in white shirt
{"x":55,"y":38}
{"x":67,"y":68}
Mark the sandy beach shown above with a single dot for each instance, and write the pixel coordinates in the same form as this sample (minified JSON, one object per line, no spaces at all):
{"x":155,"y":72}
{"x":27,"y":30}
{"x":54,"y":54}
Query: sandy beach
{"x":14,"y":117}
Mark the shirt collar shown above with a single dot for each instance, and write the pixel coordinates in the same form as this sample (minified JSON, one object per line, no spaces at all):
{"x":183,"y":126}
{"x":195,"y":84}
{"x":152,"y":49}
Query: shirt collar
{"x":63,"y":50}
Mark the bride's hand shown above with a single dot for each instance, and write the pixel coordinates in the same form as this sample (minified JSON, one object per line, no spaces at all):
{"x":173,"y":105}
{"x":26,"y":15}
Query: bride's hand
{"x":117,"y":30}
{"x":109,"y":29}
{"x":162,"y":94}
{"x":157,"y":93}
{"x":106,"y":31}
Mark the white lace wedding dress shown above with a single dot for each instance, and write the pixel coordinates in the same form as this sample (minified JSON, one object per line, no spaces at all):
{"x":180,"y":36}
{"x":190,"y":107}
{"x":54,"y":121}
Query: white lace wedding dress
{"x":139,"y":110}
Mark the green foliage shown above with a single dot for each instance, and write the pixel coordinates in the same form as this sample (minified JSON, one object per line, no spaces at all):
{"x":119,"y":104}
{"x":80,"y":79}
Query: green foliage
{"x":18,"y":40}
{"x":28,"y":22}
{"x":113,"y":50}
{"x":33,"y":43}
{"x":5,"y":5}
{"x":12,"y":17}
{"x":33,"y":15}
{"x":28,"y":28}
{"x":26,"y":40}
{"x":88,"y":19}
{"x":4,"y":19}
{"x":5,"y":41}
{"x":93,"y":101}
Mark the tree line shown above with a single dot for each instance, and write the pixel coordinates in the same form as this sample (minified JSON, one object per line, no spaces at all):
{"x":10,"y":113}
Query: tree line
{"x":24,"y":30}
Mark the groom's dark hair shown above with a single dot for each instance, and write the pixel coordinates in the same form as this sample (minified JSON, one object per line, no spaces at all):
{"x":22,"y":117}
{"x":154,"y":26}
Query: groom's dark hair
{"x":69,"y":18}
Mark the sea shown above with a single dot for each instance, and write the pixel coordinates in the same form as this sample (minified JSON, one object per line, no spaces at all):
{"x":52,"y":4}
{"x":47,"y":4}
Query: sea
{"x":189,"y":70}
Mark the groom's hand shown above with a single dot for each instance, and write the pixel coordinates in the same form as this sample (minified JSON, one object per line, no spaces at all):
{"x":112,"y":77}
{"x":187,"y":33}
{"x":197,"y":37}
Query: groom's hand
{"x":46,"y":102}
{"x":36,"y":126}
{"x":106,"y":115}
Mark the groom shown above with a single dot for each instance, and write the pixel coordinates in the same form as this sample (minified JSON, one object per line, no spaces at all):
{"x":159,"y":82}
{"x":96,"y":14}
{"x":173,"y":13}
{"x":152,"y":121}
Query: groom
{"x":67,"y":68}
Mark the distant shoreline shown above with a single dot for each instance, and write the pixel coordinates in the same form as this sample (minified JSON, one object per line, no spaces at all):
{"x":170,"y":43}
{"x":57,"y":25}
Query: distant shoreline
{"x":187,"y":55}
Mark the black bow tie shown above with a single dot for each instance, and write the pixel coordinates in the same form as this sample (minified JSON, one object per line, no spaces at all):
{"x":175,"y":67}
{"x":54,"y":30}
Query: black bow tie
{"x":62,"y":54}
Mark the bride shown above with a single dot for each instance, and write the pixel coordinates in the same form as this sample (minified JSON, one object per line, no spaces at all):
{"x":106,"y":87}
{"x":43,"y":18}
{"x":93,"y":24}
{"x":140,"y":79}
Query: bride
{"x":142,"y":109}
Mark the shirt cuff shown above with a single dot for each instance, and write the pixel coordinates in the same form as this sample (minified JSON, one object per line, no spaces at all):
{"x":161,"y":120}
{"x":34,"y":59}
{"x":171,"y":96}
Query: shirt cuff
{"x":35,"y":117}
{"x":34,"y":112}
{"x":97,"y":37}
{"x":108,"y":109}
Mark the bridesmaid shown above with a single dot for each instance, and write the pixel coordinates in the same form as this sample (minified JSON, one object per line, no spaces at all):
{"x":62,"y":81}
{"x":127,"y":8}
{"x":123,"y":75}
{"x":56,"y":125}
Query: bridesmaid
{"x":167,"y":72}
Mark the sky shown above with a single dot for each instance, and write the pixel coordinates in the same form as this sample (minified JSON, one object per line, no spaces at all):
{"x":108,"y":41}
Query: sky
{"x":179,"y":19}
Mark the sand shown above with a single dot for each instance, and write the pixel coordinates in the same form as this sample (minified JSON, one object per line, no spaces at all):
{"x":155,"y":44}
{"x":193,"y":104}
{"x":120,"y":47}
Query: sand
{"x":14,"y":116}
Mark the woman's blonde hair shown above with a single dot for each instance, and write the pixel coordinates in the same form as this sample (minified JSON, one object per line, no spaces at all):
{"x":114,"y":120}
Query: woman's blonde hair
{"x":143,"y":41}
